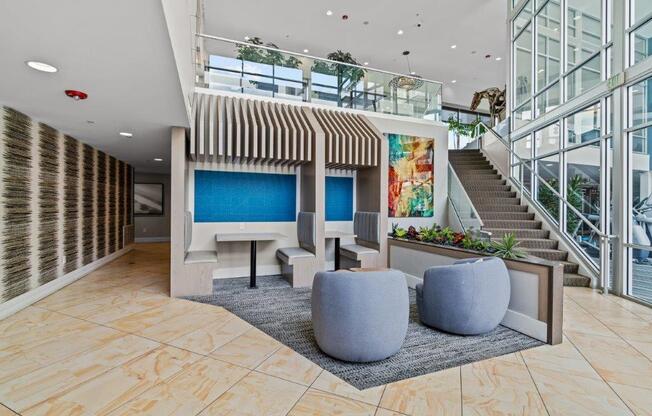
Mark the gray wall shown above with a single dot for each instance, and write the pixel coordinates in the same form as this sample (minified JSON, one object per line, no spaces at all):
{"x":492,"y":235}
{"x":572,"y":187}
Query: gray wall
{"x":154,"y":228}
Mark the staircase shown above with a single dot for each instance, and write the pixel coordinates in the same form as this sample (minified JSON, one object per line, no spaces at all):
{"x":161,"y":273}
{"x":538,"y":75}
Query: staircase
{"x":501,"y":212}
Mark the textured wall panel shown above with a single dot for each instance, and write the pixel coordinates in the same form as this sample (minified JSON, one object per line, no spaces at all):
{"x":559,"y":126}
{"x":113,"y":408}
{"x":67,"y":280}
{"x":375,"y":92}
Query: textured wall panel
{"x":71,"y":212}
{"x":88,"y":202}
{"x":100,"y":197}
{"x":112,"y":205}
{"x":16,"y":166}
{"x":121,"y":202}
{"x":48,"y":202}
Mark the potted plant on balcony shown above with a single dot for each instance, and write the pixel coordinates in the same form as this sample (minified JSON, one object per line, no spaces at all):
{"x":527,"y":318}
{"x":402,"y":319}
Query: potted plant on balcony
{"x":347,"y":76}
{"x":265,"y":56}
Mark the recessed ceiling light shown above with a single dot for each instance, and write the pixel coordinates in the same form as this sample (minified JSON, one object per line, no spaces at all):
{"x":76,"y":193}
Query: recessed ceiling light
{"x":453,"y":46}
{"x":498,"y":58}
{"x":41,"y":66}
{"x":577,"y":17}
{"x":540,"y":71}
{"x":413,"y":73}
{"x":329,"y":12}
{"x":366,"y":63}
{"x":158,"y":159}
{"x":306,"y":51}
{"x":246,"y":38}
{"x":400,"y":32}
{"x":126,"y":134}
{"x":454,"y":81}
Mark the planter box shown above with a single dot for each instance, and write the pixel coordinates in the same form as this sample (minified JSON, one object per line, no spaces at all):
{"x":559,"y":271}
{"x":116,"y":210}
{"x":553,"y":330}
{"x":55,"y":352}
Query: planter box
{"x":535,"y":306}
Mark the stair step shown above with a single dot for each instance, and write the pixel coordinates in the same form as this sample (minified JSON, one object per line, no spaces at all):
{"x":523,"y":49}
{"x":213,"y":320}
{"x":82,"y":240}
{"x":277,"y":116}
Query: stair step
{"x":507,"y":216}
{"x":489,"y":200}
{"x":470,"y":181}
{"x":569,"y":267}
{"x":572,"y":279}
{"x":476,"y":172}
{"x":548,"y":254}
{"x":513,"y":224}
{"x":498,"y":233}
{"x":474,"y":162}
{"x":488,"y":207}
{"x":538,"y":243}
{"x":486,"y":188}
{"x":467,"y":179}
{"x":497,"y":194}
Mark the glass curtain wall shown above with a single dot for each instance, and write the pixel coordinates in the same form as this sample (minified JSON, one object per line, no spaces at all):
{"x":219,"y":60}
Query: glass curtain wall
{"x":563,"y":52}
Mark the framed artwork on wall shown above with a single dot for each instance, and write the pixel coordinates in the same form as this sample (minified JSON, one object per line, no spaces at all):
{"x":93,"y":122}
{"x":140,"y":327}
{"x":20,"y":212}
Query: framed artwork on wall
{"x":149,"y":199}
{"x":411,"y":177}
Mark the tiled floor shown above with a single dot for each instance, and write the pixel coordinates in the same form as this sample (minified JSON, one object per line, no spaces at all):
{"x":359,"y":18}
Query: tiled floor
{"x":115,"y":343}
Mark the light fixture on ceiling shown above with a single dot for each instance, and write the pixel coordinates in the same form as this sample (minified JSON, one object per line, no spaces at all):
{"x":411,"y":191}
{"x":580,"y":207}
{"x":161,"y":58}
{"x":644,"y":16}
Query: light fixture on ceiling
{"x":247,"y":38}
{"x":329,"y":12}
{"x":498,"y":58}
{"x":41,"y":66}
{"x":577,"y":17}
{"x":306,"y":51}
{"x":400,"y":32}
{"x":454,"y":81}
{"x":453,"y":46}
{"x":126,"y":134}
{"x":76,"y":95}
{"x":407,"y":82}
{"x":366,"y":64}
{"x":158,"y":159}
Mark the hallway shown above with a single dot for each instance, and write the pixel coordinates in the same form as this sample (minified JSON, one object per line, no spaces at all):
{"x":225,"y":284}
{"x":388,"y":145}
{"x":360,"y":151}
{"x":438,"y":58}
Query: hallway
{"x":115,"y":343}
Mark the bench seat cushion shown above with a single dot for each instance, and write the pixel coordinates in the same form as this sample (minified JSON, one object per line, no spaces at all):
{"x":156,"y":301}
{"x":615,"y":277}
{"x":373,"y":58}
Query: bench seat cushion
{"x":201,"y":257}
{"x":290,"y":254}
{"x":354,"y":251}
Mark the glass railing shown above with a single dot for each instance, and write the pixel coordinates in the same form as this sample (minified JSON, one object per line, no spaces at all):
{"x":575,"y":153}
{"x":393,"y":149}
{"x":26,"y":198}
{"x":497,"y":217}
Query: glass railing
{"x":248,"y":68}
{"x":461,"y":203}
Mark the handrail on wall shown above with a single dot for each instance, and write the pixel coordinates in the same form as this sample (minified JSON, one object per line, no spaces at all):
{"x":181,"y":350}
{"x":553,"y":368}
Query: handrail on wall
{"x":605,"y":239}
{"x":474,"y":213}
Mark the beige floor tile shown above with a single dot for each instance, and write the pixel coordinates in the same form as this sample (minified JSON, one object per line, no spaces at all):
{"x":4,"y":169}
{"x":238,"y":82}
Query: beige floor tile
{"x":207,"y":339}
{"x":579,"y":320}
{"x":614,"y":359}
{"x":142,"y":320}
{"x":644,"y":348}
{"x":499,"y":387}
{"x":384,"y":412}
{"x":430,"y":394}
{"x":183,"y":324}
{"x":644,"y":312}
{"x":639,"y":400}
{"x":5,"y":411}
{"x":188,"y":392}
{"x":257,"y":394}
{"x":110,"y":390}
{"x":329,"y":383}
{"x":567,"y":394}
{"x":563,"y":357}
{"x":58,"y":378}
{"x":291,"y":366}
{"x":114,"y":307}
{"x":26,"y":320}
{"x":88,"y":336}
{"x":317,"y":402}
{"x":248,"y":350}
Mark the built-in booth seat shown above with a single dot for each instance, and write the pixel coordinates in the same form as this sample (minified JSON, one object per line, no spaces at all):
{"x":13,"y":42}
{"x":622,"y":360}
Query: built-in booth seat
{"x":366,"y":227}
{"x":298,"y":263}
{"x":198,"y":257}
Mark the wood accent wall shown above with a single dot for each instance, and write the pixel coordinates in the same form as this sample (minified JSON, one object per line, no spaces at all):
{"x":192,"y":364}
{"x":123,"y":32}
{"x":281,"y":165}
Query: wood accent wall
{"x":63,"y":204}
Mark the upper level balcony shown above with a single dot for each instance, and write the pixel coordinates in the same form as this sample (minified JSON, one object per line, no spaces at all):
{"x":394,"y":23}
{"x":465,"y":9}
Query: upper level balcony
{"x":243,"y":67}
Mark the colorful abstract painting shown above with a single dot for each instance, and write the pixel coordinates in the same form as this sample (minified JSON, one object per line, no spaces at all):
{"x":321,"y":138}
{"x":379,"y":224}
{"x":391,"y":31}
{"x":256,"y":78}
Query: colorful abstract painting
{"x":410,"y":176}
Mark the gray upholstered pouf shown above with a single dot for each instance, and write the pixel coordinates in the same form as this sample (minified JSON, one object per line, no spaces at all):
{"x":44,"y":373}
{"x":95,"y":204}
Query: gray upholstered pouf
{"x":361,"y":316}
{"x":469,"y":297}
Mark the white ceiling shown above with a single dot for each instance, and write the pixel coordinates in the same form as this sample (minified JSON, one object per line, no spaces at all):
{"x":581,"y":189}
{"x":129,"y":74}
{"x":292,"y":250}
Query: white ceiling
{"x":117,"y":51}
{"x":473,"y":25}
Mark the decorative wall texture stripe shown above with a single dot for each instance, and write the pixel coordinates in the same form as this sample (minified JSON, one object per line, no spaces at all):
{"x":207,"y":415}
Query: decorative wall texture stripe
{"x":48,"y":202}
{"x":17,"y":163}
{"x":89,"y":183}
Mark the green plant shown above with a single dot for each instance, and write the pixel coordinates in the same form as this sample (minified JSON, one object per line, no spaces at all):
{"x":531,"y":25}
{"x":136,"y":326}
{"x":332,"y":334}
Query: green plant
{"x":398,"y":232}
{"x":347,"y":76}
{"x":265,"y":56}
{"x":574,"y":196}
{"x":473,"y":130}
{"x":507,"y":247}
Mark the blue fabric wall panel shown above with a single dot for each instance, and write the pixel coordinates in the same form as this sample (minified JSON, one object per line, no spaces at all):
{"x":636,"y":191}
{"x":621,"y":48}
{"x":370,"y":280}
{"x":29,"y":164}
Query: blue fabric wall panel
{"x":339,"y":198}
{"x":244,"y":197}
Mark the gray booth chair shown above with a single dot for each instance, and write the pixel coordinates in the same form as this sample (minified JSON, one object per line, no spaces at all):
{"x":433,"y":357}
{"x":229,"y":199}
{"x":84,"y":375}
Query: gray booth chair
{"x":366,"y":227}
{"x":469,"y":297}
{"x":360,"y":317}
{"x":297,"y":263}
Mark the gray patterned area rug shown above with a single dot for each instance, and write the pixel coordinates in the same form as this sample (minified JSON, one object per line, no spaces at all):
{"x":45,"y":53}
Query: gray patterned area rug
{"x":284,"y":313}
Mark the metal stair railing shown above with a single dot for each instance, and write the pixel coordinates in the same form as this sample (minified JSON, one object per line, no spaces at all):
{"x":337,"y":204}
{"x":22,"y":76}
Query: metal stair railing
{"x":605,"y":239}
{"x":463,"y":206}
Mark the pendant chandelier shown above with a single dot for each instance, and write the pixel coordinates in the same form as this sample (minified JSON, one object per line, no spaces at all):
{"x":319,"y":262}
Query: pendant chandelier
{"x":407,"y":82}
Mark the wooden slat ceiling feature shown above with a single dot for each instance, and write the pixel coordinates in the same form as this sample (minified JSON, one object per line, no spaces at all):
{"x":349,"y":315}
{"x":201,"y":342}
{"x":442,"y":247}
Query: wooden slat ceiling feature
{"x":239,"y":130}
{"x":350,"y":142}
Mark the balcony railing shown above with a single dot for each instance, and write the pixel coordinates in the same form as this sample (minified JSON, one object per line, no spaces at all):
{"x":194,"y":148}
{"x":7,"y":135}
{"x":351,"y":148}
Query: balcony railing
{"x":243,"y":67}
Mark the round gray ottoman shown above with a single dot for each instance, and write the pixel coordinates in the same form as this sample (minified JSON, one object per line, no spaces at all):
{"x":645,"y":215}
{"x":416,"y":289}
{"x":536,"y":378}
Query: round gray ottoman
{"x":360,"y":316}
{"x":469,"y":297}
